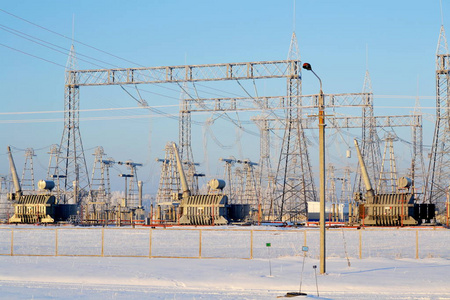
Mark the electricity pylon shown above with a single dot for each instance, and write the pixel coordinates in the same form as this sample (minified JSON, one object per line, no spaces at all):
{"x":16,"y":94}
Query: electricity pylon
{"x":71,"y":163}
{"x":294,"y":173}
{"x":439,"y":166}
{"x":27,"y":181}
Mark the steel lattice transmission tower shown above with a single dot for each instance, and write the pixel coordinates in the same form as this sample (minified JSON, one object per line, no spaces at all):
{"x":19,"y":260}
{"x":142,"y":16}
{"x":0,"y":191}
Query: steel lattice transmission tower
{"x":387,"y":181}
{"x":100,"y":184}
{"x":169,"y":181}
{"x":185,"y":132}
{"x":27,"y":181}
{"x":331,"y":185}
{"x":266,"y":175}
{"x":71,"y":163}
{"x":370,"y":140}
{"x":417,"y":171}
{"x":250,"y":194}
{"x":294,"y":173}
{"x":439,"y":166}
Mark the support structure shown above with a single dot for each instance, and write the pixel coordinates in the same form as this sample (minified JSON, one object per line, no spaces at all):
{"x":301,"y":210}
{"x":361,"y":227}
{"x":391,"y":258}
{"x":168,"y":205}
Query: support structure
{"x":132,"y":193}
{"x":169,"y":182}
{"x":417,"y":172}
{"x":27,"y":180}
{"x":294,"y":174}
{"x":185,"y":148}
{"x":250,"y":194}
{"x":71,"y":162}
{"x":370,"y":140}
{"x":439,"y":166}
{"x":99,"y":184}
{"x":266,"y":180}
{"x":387,"y":180}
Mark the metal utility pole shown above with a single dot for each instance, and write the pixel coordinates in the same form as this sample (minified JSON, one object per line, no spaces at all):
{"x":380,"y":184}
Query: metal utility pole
{"x":322,"y":125}
{"x":132,"y":185}
{"x":438,"y":169}
{"x":125,"y":200}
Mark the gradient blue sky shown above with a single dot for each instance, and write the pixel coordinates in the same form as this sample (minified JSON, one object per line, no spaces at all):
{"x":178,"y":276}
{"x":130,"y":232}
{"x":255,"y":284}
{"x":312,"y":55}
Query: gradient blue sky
{"x":395,"y":40}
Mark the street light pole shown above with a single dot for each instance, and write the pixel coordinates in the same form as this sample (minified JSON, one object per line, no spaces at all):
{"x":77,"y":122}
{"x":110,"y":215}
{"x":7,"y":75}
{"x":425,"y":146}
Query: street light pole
{"x":322,"y":125}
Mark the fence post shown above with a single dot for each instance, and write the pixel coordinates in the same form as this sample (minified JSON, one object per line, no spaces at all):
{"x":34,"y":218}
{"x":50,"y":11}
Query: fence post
{"x":199,"y":243}
{"x":251,"y":244}
{"x":360,"y":244}
{"x":56,"y":241}
{"x":150,"y":243}
{"x":417,"y":244}
{"x":103,"y":241}
{"x":12,"y":241}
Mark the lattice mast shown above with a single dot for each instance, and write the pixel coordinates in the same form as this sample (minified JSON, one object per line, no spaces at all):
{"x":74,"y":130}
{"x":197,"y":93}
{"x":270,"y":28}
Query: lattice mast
{"x":331,"y":184}
{"x":417,"y":171}
{"x":99,"y":183}
{"x":439,"y":166}
{"x":228,"y":175}
{"x":346,"y":187}
{"x":294,"y":173}
{"x":169,"y":181}
{"x":370,"y":141}
{"x":185,"y":141}
{"x":266,"y":175}
{"x":387,"y":181}
{"x":71,"y":161}
{"x":250,"y":194}
{"x":27,"y":180}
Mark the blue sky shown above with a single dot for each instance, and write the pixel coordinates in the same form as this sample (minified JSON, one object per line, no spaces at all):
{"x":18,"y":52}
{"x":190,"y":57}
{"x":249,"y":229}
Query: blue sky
{"x":395,"y":40}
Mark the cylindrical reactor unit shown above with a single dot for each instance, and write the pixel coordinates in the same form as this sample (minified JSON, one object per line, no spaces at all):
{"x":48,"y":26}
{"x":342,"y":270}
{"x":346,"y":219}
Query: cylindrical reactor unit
{"x":46,"y":185}
{"x":217,"y":184}
{"x":404,"y":182}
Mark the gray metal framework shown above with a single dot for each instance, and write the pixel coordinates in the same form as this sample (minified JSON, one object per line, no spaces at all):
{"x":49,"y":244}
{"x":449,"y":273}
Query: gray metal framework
{"x":439,"y":165}
{"x":289,"y":69}
{"x":187,"y":73}
{"x":27,"y":180}
{"x":294,"y":176}
{"x":71,"y":163}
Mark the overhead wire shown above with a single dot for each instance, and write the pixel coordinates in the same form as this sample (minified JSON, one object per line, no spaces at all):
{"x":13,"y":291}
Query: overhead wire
{"x":85,"y":44}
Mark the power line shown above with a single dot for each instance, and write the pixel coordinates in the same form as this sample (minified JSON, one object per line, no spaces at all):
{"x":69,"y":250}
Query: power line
{"x":35,"y":40}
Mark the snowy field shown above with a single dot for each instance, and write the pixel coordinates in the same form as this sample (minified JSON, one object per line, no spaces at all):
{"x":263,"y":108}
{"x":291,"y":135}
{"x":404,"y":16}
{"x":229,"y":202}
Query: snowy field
{"x":388,"y":268}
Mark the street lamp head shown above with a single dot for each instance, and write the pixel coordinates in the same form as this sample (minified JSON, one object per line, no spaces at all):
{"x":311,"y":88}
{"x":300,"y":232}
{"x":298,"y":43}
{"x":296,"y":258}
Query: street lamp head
{"x":307,"y":66}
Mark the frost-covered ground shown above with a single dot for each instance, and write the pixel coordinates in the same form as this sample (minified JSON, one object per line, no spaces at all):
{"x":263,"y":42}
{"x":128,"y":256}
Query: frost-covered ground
{"x":372,"y":277}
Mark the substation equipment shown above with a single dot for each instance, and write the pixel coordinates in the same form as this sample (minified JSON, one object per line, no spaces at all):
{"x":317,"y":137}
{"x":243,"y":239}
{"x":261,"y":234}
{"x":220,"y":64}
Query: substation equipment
{"x":36,"y":208}
{"x":206,"y":209}
{"x":388,"y":209}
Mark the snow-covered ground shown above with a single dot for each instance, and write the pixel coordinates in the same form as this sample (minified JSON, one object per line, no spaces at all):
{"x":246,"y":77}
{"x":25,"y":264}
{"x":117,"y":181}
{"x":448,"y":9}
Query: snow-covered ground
{"x":372,"y":277}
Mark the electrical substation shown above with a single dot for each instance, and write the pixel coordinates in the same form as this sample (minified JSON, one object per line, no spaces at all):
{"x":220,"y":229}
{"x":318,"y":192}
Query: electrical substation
{"x":277,"y":186}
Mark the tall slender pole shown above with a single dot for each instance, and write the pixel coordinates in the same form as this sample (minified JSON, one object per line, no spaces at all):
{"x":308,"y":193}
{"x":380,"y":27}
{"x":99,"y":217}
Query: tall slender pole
{"x":322,"y":171}
{"x":322,"y":181}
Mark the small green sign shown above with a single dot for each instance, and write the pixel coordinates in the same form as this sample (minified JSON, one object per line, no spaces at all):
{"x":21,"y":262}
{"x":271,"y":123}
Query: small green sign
{"x":268,"y":244}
